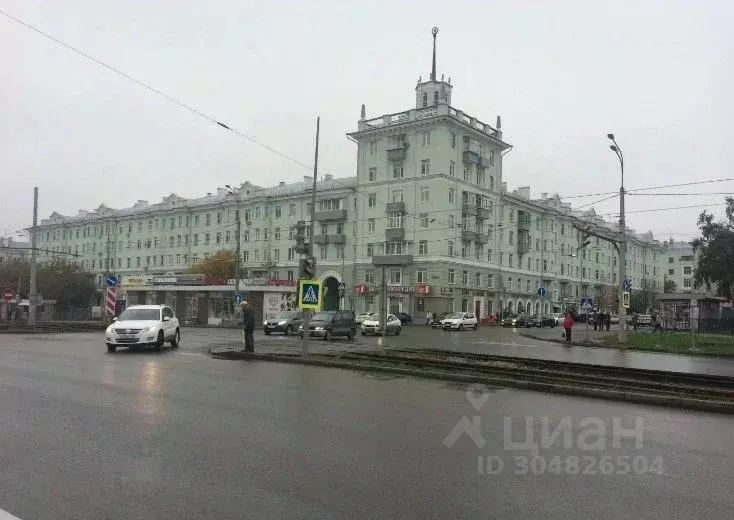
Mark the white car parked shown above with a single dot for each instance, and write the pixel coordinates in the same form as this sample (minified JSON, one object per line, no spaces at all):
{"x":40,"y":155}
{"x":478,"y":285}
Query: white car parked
{"x":460,"y":321}
{"x":141,"y":325}
{"x":372,"y":325}
{"x":364,"y":316}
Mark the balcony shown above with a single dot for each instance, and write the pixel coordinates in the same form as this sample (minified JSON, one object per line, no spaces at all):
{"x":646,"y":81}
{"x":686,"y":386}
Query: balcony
{"x":398,"y":153}
{"x":484,"y":162}
{"x":331,"y":215}
{"x":395,"y":207}
{"x":471,"y":157}
{"x":523,"y":242}
{"x":321,"y":240}
{"x":470,"y":208}
{"x":392,"y":260}
{"x":483,"y":213}
{"x":467,"y":235}
{"x":523,"y":221}
{"x":481,"y":238}
{"x":395,"y":234}
{"x":339,"y":238}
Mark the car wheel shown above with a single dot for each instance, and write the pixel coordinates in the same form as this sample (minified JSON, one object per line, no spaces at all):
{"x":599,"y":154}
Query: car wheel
{"x":111,"y":348}
{"x":364,"y":333}
{"x":267,"y":332}
{"x":461,"y":326}
{"x":327,"y":335}
{"x":475,"y":327}
{"x":397,"y":331}
{"x":176,"y":341}
{"x":159,"y":342}
{"x":350,"y":335}
{"x":288,"y":330}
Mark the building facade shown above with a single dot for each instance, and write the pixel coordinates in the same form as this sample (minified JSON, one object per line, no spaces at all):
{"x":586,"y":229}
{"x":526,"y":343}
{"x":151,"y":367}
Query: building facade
{"x":11,"y":249}
{"x":429,"y":209}
{"x":680,"y":265}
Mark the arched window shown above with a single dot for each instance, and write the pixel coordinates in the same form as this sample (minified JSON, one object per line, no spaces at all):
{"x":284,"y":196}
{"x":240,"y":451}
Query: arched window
{"x":425,"y":99}
{"x":435,"y":98}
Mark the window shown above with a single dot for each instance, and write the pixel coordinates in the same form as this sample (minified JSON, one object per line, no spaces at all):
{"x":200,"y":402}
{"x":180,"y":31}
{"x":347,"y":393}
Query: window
{"x":276,"y":255}
{"x":395,"y":220}
{"x":397,"y":195}
{"x":452,"y":168}
{"x":226,"y":236}
{"x":396,"y":276}
{"x":426,"y":140}
{"x":511,"y":237}
{"x":464,"y":278}
{"x":370,"y":225}
{"x":208,"y":219}
{"x":196,"y":240}
{"x":425,"y":166}
{"x":291,"y":210}
{"x":687,"y":283}
{"x":370,"y":249}
{"x":394,"y":248}
{"x":452,"y":276}
{"x":277,"y":211}
{"x":324,"y":229}
{"x":478,"y":279}
{"x":671,"y":260}
{"x":467,"y":173}
{"x":435,"y":98}
{"x":425,"y":100}
{"x":397,"y":172}
{"x":687,"y":269}
{"x":206,"y":239}
{"x":453,"y":140}
{"x":291,"y":275}
{"x":291,"y":253}
{"x":421,"y":276}
{"x":372,"y":174}
{"x":219,"y":238}
{"x":490,"y":281}
{"x":423,"y":247}
{"x":452,"y":195}
{"x":373,"y":147}
{"x":323,"y":250}
{"x":340,"y":252}
{"x":671,"y":272}
{"x":509,"y":259}
{"x":277,"y":233}
{"x":369,"y":277}
{"x":425,"y":194}
{"x":451,"y":248}
{"x":423,"y":220}
{"x":371,"y":200}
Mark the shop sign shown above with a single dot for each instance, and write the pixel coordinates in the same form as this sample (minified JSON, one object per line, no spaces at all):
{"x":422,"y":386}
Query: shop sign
{"x":266,"y":281}
{"x":447,"y":290}
{"x":399,"y":289}
{"x":135,"y":281}
{"x":423,"y":288}
{"x":180,"y":279}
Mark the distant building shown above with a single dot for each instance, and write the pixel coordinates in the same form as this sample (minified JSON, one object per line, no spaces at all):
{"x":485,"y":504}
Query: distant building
{"x":11,"y":249}
{"x":681,"y":265}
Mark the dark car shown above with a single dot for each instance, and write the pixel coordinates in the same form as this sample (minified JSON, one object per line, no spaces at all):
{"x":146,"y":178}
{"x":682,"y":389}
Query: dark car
{"x":438,"y":318}
{"x":285,"y":322}
{"x":543,"y":321}
{"x":405,"y":319}
{"x":327,"y":324}
{"x":521,"y":320}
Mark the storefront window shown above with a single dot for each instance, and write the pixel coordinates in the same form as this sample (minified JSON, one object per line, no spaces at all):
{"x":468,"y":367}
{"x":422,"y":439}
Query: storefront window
{"x":192,"y":308}
{"x":221,"y":308}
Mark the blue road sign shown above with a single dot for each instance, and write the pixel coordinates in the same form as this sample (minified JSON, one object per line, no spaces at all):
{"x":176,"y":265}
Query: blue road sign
{"x":587,"y":303}
{"x":111,"y":280}
{"x":626,"y":285}
{"x":310,"y":294}
{"x":238,"y":298}
{"x":541,"y":292}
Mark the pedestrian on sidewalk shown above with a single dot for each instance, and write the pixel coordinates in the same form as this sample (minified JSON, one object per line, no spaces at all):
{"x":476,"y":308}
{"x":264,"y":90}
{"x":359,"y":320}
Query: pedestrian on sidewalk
{"x":568,"y":325}
{"x":429,"y":318}
{"x":248,"y":326}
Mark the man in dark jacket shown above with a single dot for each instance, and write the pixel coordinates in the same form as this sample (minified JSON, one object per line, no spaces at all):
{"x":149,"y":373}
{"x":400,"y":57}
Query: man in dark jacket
{"x":248,"y":326}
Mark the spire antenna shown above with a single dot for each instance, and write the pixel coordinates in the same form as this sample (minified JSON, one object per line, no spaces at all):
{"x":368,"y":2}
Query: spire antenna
{"x":434,"y":31}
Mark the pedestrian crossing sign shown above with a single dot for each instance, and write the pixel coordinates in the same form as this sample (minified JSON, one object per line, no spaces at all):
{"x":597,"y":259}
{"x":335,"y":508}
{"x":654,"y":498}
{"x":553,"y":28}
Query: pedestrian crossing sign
{"x":310,"y":294}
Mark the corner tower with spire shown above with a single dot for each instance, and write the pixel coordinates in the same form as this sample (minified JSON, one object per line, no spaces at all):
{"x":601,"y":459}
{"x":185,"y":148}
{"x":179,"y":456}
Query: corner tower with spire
{"x":433,"y":92}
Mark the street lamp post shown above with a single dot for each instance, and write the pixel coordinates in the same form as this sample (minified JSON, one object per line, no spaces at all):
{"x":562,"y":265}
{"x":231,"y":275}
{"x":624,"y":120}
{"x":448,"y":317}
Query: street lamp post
{"x":238,"y":223}
{"x":622,"y":245}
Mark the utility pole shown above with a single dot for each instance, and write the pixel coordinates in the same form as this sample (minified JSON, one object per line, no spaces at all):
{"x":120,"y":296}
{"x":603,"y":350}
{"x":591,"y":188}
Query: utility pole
{"x":622,"y":246}
{"x":31,"y":296}
{"x":310,"y":251}
{"x":238,"y":231}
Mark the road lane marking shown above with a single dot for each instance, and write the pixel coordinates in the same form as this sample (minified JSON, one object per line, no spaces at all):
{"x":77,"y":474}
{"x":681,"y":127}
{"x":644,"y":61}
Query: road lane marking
{"x":4,"y":515}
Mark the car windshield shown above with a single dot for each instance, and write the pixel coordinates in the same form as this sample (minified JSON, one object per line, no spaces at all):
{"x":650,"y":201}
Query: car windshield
{"x":324,"y":316}
{"x":140,"y":315}
{"x":289,"y":315}
{"x":455,"y":316}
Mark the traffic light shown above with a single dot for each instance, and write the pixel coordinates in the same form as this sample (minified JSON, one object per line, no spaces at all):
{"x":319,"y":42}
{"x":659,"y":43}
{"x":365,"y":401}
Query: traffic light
{"x":301,"y":247}
{"x":307,"y":268}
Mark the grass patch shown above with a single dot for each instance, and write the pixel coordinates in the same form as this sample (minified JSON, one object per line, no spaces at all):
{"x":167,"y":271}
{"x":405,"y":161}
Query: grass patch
{"x":677,"y":343}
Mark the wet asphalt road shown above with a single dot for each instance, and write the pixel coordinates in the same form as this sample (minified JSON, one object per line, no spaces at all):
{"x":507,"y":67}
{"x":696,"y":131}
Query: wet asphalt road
{"x":177,"y":435}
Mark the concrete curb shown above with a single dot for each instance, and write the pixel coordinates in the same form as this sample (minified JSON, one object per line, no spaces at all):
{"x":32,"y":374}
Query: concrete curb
{"x":630,"y":349}
{"x":722,"y":407}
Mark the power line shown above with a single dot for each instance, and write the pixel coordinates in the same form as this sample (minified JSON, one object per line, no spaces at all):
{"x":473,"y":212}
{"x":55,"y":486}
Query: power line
{"x":596,"y":202}
{"x":695,"y":183}
{"x":672,"y":208}
{"x":153,"y":89}
{"x":681,"y":194}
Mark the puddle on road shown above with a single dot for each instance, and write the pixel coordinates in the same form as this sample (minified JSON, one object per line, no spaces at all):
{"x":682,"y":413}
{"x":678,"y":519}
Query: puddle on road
{"x":381,"y":377}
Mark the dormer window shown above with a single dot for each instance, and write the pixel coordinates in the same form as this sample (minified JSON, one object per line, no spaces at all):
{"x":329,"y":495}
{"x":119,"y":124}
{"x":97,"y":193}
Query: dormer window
{"x":435,"y":98}
{"x":425,"y":99}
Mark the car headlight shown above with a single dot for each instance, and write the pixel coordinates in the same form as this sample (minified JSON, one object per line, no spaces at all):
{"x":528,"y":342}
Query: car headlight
{"x":318,"y":328}
{"x":300,"y":327}
{"x":110,"y":330}
{"x":282,"y":322}
{"x":151,"y":328}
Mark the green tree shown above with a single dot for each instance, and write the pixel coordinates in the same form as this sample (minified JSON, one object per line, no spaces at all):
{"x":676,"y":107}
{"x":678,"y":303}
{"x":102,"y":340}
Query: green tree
{"x":670,"y":286}
{"x":15,"y":274}
{"x":715,"y":249}
{"x":218,"y":267}
{"x":67,"y":283}
{"x":644,"y":299}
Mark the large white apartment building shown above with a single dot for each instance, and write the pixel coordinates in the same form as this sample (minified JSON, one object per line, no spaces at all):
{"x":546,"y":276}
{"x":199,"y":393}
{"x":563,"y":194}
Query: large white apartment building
{"x":680,"y":265}
{"x":429,"y":205}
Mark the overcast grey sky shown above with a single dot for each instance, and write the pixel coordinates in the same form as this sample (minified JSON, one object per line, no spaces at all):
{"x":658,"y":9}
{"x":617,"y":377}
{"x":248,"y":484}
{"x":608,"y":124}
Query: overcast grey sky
{"x":562,"y":74}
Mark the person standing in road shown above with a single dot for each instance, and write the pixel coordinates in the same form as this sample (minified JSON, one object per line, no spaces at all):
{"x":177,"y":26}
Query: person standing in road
{"x":429,"y":318}
{"x":568,"y":325}
{"x":248,"y":326}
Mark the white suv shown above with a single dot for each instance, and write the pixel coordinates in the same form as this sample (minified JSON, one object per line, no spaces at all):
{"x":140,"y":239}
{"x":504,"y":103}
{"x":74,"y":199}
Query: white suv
{"x":140,"y":325}
{"x":460,"y":321}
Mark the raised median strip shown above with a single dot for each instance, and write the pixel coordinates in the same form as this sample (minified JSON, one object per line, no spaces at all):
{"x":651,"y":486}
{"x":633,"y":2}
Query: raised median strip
{"x":53,"y":326}
{"x":688,"y":391}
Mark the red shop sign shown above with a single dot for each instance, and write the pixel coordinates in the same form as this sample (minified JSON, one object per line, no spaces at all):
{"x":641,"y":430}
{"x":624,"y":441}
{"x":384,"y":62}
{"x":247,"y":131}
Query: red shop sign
{"x":424,"y":288}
